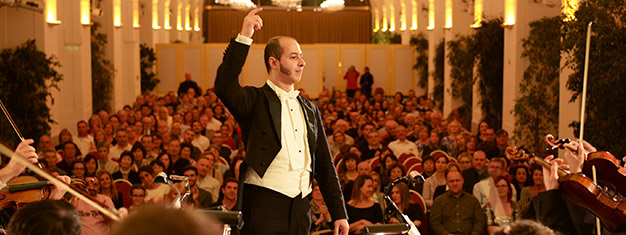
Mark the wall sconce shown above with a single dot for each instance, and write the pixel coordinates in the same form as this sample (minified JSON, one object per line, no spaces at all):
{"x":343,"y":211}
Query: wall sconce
{"x":117,"y":13}
{"x":51,"y":12}
{"x":85,"y":12}
{"x":155,"y":14}
{"x":478,"y":14}
{"x":413,"y":14}
{"x":179,"y":17}
{"x":188,"y":17}
{"x":448,"y":14}
{"x":166,"y":15}
{"x":196,"y":19}
{"x":431,"y":15}
{"x":136,"y":14}
{"x":392,"y":18}
{"x":402,"y":15}
{"x":509,"y":12}
{"x":376,"y":20}
{"x":384,"y":19}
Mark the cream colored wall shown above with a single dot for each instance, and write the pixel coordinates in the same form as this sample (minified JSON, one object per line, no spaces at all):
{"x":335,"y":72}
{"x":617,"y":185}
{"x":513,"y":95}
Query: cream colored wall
{"x":391,"y":65}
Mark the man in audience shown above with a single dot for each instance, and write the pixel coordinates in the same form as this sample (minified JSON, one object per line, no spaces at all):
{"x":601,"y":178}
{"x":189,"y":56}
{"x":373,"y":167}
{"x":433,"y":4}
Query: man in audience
{"x":204,"y":180}
{"x":104,"y":163}
{"x":489,"y":146}
{"x":390,"y":130}
{"x":84,"y":140}
{"x":456,"y":211}
{"x":137,"y":195}
{"x":361,"y":139}
{"x":401,"y":145}
{"x":477,"y":172}
{"x":148,"y":144}
{"x":148,"y":125}
{"x":200,"y":141}
{"x":50,"y":159}
{"x":229,"y":195}
{"x":213,"y":125}
{"x":218,"y":141}
{"x":364,"y":168}
{"x":121,"y":146}
{"x":178,"y":163}
{"x":45,"y":143}
{"x":482,"y":189}
{"x":188,"y":138}
{"x":373,"y":145}
{"x":201,"y":198}
{"x":188,"y":83}
{"x":502,"y":140}
{"x":93,"y":221}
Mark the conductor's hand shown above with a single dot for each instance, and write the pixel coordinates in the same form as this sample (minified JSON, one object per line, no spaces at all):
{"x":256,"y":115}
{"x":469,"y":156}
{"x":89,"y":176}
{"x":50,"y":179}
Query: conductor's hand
{"x":341,"y":227}
{"x":252,"y":22}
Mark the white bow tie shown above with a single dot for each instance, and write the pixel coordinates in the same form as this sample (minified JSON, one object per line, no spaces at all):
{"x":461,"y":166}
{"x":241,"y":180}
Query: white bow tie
{"x":288,"y":95}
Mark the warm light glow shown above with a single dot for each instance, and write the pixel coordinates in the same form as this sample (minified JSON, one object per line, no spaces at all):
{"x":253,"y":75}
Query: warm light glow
{"x":431,"y":15}
{"x":136,"y":14}
{"x":478,"y":14}
{"x":166,"y":15}
{"x":413,"y":14}
{"x":51,"y":12}
{"x":196,"y":20}
{"x":569,"y":9}
{"x":403,"y":16}
{"x":155,"y":14}
{"x":117,"y":13}
{"x":179,"y":18}
{"x":384,"y":19}
{"x":448,"y":14}
{"x":509,"y":12}
{"x":392,"y":18}
{"x":188,"y":17}
{"x":85,"y":12}
{"x":376,"y":20}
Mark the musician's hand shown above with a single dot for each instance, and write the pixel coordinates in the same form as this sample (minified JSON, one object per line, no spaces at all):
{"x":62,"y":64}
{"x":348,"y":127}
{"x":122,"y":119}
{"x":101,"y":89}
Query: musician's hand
{"x":252,"y":22}
{"x":122,"y":213}
{"x":58,"y":191}
{"x":341,"y":227}
{"x":550,"y":176}
{"x":14,"y":168}
{"x":576,"y":159}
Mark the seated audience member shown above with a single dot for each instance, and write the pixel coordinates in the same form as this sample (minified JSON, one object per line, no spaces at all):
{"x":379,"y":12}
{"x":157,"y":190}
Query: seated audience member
{"x":228,"y":196}
{"x":70,"y":154}
{"x":126,"y":169}
{"x":502,"y":141}
{"x":443,"y":188}
{"x":139,"y":156}
{"x":465,"y":161}
{"x":456,"y":212}
{"x":434,"y":143}
{"x":121,"y":145}
{"x":91,"y":164}
{"x":482,"y":188}
{"x":436,"y":179}
{"x":152,"y":220}
{"x":521,"y":178}
{"x":529,"y":192}
{"x":422,"y":140}
{"x":104,"y":163}
{"x":347,"y":169}
{"x":77,"y":170}
{"x":107,"y":188}
{"x":489,"y":145}
{"x":177,"y":163}
{"x":401,"y":197}
{"x":46,"y":217}
{"x":209,"y":178}
{"x":377,"y":196}
{"x":186,"y":151}
{"x":429,"y":167}
{"x":50,"y":160}
{"x":477,"y":173}
{"x":373,"y":145}
{"x":137,"y":196}
{"x":362,"y":211}
{"x":93,"y":222}
{"x":64,"y":136}
{"x":234,"y":170}
{"x":500,"y":209}
{"x":401,"y":145}
{"x":320,"y":217}
{"x":395,"y":171}
{"x":200,"y":197}
{"x":165,"y":159}
{"x":364,"y":168}
{"x":154,"y":191}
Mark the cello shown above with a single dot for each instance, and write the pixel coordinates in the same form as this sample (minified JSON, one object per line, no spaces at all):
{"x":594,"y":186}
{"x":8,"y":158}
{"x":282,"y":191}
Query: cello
{"x":581,"y":191}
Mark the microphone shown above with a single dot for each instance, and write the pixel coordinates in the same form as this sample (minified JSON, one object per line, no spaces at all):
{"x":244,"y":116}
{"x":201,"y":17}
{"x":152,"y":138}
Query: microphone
{"x":410,"y":178}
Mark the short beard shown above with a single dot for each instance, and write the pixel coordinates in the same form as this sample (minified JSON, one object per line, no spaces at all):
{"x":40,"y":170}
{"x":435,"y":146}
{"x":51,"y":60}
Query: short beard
{"x":284,"y":70}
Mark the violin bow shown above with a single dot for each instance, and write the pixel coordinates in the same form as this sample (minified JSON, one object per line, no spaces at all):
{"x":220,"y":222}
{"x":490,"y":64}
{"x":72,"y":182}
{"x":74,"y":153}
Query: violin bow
{"x":19,"y":134}
{"x":582,"y":107}
{"x":6,"y":151}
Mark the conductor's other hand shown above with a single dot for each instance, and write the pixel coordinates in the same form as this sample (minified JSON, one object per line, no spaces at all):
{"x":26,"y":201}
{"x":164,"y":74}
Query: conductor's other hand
{"x":341,"y":227}
{"x":252,"y":22}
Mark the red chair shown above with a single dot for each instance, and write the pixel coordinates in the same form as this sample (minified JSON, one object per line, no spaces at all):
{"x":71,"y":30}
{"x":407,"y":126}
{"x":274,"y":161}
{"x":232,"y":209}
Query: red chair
{"x":337,"y":158}
{"x":222,"y":160}
{"x":123,"y":186}
{"x":418,"y":199}
{"x":374,"y":163}
{"x":411,"y":161}
{"x":339,"y":164}
{"x":417,"y":167}
{"x":436,"y":153}
{"x":403,"y":157}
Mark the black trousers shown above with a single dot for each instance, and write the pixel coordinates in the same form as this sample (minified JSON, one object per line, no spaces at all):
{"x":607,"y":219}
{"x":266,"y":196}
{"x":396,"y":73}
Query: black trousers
{"x":266,"y":211}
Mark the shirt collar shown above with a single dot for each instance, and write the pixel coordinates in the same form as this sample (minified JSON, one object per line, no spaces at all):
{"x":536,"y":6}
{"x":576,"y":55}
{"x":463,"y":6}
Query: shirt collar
{"x":282,"y":94}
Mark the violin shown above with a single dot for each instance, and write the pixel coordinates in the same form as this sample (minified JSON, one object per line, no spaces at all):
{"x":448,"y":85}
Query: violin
{"x":580,"y":190}
{"x":608,"y":169}
{"x":21,"y":190}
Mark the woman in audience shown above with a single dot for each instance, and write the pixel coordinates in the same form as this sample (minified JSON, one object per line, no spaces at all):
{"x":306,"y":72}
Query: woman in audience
{"x":449,"y":141}
{"x":400,"y":195}
{"x":218,"y":113}
{"x":509,"y":211}
{"x":176,"y":131}
{"x":157,"y":167}
{"x":107,"y":188}
{"x":77,"y":170}
{"x":441,"y":163}
{"x":460,"y":145}
{"x":377,"y":196}
{"x":338,"y":140}
{"x":422,"y":141}
{"x":64,"y":136}
{"x":521,"y":179}
{"x":395,"y":171}
{"x":167,"y":163}
{"x":471,"y":144}
{"x":109,"y":133}
{"x":185,"y":153}
{"x":537,"y":186}
{"x":139,"y":156}
{"x":99,"y":136}
{"x":482,"y":128}
{"x":347,"y":169}
{"x":154,"y":191}
{"x":434,"y":143}
{"x":429,"y":167}
{"x":91,"y":164}
{"x":362,"y":211}
{"x":444,"y":188}
{"x":95,"y":123}
{"x":465,"y":161}
{"x":320,"y":217}
{"x":126,"y":169}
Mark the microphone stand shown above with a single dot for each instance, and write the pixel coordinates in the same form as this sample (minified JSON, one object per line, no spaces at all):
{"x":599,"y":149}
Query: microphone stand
{"x":392,"y":208}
